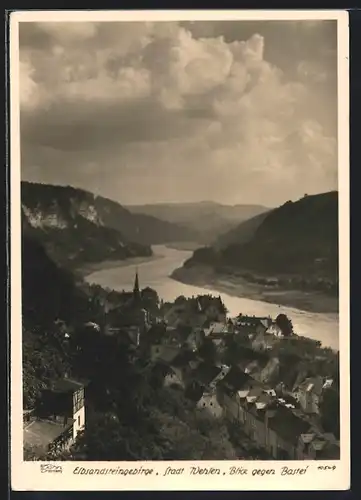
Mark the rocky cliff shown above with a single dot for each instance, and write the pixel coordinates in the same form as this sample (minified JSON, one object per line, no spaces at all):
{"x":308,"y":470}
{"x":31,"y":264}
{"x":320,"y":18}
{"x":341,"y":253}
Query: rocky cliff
{"x":69,"y":224}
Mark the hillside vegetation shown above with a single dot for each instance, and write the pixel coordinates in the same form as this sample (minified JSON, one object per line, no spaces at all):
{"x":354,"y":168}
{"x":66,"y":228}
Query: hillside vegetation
{"x":298,"y":240}
{"x":242,"y":233}
{"x":77,"y":227}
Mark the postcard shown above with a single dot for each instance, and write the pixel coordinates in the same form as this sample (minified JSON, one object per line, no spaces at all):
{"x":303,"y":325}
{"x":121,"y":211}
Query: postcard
{"x":179,"y":250}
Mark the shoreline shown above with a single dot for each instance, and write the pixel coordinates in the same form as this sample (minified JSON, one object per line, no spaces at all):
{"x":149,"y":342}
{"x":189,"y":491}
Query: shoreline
{"x":190,"y":246}
{"x":205,"y":277}
{"x":89,"y":269}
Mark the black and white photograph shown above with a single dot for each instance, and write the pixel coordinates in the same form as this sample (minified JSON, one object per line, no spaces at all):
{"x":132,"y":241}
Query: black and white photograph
{"x":179,"y":245}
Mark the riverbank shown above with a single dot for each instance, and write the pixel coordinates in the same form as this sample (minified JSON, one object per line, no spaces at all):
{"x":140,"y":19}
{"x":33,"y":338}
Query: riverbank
{"x":93,"y":267}
{"x":184,"y":245}
{"x":204,"y":276}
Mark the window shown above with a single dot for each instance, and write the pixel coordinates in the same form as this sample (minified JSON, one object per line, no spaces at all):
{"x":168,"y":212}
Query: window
{"x":78,"y":400}
{"x":79,"y":420}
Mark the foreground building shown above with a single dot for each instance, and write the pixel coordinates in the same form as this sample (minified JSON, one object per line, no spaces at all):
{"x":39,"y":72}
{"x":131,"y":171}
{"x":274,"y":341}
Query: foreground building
{"x":55,"y":424}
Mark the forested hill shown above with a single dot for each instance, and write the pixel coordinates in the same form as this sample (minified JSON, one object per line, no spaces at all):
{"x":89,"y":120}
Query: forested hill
{"x":298,"y":238}
{"x":242,"y":233}
{"x":48,"y":291}
{"x":78,"y":227}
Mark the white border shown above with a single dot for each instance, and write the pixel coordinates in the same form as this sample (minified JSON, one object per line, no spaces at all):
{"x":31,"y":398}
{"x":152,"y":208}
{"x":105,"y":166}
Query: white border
{"x":26,"y":475}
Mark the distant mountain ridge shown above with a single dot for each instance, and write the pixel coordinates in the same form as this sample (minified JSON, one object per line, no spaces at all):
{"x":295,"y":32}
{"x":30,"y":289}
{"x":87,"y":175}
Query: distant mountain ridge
{"x":139,"y":228}
{"x":207,"y":219}
{"x":298,"y":239}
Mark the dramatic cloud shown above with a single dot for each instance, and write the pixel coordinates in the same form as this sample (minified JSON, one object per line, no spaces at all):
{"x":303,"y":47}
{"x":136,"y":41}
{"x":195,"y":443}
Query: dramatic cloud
{"x":145,"y":112}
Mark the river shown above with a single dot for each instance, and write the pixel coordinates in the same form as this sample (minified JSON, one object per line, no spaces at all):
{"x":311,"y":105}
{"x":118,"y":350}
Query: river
{"x":156,"y":274}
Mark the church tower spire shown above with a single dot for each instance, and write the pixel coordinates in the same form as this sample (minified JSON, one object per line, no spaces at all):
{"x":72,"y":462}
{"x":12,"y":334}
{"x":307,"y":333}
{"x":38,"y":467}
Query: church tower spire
{"x":136,"y":291}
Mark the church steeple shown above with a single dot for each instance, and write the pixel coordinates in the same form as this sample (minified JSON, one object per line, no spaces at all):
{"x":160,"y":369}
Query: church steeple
{"x":136,"y":291}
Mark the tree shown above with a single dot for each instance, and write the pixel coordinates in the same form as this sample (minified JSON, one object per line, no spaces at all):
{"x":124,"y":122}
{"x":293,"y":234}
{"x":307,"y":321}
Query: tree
{"x":180,"y":301}
{"x":285,"y":324}
{"x":208,"y":351}
{"x":330,"y":412}
{"x":150,"y":299}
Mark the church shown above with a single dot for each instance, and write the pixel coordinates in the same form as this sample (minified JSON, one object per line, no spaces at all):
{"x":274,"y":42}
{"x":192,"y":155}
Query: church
{"x":130,"y":315}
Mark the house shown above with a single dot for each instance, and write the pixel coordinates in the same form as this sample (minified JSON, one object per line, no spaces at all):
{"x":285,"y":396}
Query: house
{"x":284,"y":428}
{"x":208,"y":375}
{"x":271,"y":370}
{"x":176,"y":314}
{"x":219,"y":343}
{"x":195,"y":311}
{"x":220,"y":376}
{"x":253,"y":321}
{"x":183,"y":365}
{"x":155,"y":335}
{"x":231,"y":326}
{"x":236,"y":379}
{"x":209,"y":402}
{"x":205,"y":373}
{"x":174,"y":377}
{"x":328,"y":383}
{"x":324,"y":447}
{"x":275,"y":330}
{"x":263,"y":341}
{"x":215,"y":310}
{"x":265,"y":370}
{"x":215,"y":329}
{"x":172,"y":336}
{"x":163,"y":353}
{"x":195,"y":339}
{"x":316,"y":445}
{"x":129,"y":335}
{"x":133,"y":333}
{"x":232,"y":383}
{"x":58,"y":419}
{"x":308,"y":393}
{"x":245,"y":332}
{"x":218,"y":334}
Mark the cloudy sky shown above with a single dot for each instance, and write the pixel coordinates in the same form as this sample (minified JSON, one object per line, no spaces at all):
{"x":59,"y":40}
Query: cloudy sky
{"x":235,"y":112}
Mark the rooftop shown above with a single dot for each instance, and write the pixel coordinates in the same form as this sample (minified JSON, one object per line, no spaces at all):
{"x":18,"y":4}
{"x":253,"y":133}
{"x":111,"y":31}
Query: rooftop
{"x":41,"y":433}
{"x":217,"y":328}
{"x":314,"y":384}
{"x":194,"y":392}
{"x":288,"y":425}
{"x":206,"y":372}
{"x":183,"y":358}
{"x":330,"y":451}
{"x":166,"y":353}
{"x":236,"y":380}
{"x":67,"y":385}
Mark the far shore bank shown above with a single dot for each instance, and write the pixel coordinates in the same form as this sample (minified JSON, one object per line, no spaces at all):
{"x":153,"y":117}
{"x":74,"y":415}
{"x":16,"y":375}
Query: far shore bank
{"x":184,"y":245}
{"x":91,"y":268}
{"x":203,"y":276}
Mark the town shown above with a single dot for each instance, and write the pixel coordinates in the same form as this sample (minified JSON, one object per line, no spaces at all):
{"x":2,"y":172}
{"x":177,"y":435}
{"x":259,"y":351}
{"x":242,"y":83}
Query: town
{"x":277,"y":392}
